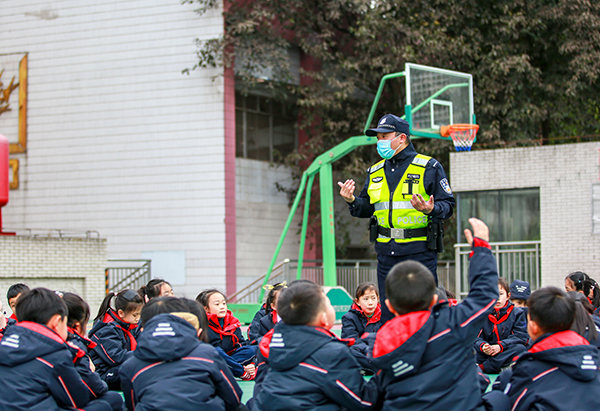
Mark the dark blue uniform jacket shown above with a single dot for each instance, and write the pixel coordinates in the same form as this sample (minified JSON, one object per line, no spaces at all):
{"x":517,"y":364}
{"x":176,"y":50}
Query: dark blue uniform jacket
{"x":558,"y":372}
{"x":230,"y":338}
{"x":505,"y":327}
{"x":114,"y":345}
{"x":253,"y":328}
{"x":434,"y":181}
{"x":266,"y":324}
{"x":309,"y":368}
{"x":427,"y":356}
{"x":96,"y":386}
{"x":172,"y":370}
{"x":355,"y":323}
{"x":36,"y":367}
{"x":595,"y":342}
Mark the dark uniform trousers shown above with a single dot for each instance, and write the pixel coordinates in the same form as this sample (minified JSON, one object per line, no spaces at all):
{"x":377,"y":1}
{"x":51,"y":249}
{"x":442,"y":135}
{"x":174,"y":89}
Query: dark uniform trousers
{"x":385,"y":264}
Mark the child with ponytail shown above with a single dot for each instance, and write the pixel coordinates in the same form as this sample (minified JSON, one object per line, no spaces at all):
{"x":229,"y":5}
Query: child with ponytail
{"x":79,"y":314}
{"x":114,"y":333}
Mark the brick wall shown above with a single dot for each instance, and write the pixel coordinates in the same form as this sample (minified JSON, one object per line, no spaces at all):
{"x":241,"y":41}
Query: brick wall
{"x":564,"y":175}
{"x":66,"y":264}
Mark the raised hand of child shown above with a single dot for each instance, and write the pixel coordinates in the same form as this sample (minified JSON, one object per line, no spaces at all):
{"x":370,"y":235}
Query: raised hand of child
{"x":480,"y":230}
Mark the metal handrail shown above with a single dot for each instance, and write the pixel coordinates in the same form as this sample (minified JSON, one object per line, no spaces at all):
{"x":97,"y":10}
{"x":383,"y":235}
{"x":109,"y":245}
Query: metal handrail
{"x":525,"y":261}
{"x":235,"y":297}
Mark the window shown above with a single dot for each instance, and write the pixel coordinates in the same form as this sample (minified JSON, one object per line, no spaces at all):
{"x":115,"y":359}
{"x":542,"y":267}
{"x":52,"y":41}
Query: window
{"x":265,"y":128}
{"x":512,"y":215}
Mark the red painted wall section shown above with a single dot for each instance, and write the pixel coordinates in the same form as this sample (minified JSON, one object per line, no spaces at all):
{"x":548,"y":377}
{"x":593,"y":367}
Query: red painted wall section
{"x":229,"y":141}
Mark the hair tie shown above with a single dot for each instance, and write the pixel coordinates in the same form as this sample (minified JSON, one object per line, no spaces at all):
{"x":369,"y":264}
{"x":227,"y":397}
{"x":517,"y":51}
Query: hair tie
{"x":269,"y":287}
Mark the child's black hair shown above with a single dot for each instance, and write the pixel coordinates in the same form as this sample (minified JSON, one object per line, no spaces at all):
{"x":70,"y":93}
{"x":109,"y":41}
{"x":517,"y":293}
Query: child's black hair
{"x":204,"y":296}
{"x":584,"y":283}
{"x":161,"y":305}
{"x":583,"y":321}
{"x":273,"y":294}
{"x":504,"y":284}
{"x":79,"y":310}
{"x":300,"y":303}
{"x":126,"y":300}
{"x":15,"y":290}
{"x":153,"y":288}
{"x":39,"y":306}
{"x":551,"y":309}
{"x":363,"y":288}
{"x":410,"y":286}
{"x":195,"y":308}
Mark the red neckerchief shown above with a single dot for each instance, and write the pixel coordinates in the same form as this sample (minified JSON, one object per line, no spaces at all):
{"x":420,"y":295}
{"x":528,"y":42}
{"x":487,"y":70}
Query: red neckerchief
{"x":113,"y":317}
{"x":375,"y":318}
{"x":88,"y":343}
{"x":497,"y":321}
{"x":590,"y":300}
{"x":13,"y":317}
{"x":230,"y":324}
{"x":274,"y":316}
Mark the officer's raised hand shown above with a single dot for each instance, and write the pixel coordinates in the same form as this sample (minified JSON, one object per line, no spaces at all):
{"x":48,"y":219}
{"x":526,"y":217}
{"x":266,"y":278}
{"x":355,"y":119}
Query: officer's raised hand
{"x":480,"y":230}
{"x":419,"y":203}
{"x":347,"y":190}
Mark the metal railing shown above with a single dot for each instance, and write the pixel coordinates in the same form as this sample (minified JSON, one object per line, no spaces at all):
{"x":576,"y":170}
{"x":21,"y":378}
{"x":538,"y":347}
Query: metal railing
{"x":349,"y":274}
{"x":516,"y":260}
{"x":123,"y":274}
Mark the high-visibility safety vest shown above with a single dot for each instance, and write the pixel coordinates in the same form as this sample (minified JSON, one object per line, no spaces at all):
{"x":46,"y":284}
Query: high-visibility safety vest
{"x":394,"y":210}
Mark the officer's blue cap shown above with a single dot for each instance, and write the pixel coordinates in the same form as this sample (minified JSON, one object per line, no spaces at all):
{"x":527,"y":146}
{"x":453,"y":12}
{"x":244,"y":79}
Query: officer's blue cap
{"x":389,"y":123}
{"x":519,"y":290}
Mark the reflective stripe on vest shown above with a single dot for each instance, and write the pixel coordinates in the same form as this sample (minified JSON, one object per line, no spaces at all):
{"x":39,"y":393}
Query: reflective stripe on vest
{"x":398,"y":212}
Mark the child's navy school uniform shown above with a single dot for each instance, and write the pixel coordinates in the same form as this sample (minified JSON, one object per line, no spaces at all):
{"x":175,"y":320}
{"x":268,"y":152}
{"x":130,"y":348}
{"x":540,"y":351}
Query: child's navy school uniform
{"x":266,"y":324}
{"x":37,"y":368}
{"x":253,"y":335}
{"x":97,"y":387}
{"x":427,"y":356}
{"x":172,"y":370}
{"x":226,"y":336}
{"x":355,"y":324}
{"x":115,"y":343}
{"x":558,"y":372}
{"x":594,"y":342}
{"x":506,"y":327}
{"x":309,"y":368}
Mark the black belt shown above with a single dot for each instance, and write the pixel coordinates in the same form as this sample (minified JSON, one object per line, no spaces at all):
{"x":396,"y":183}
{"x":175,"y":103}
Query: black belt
{"x":399,"y":233}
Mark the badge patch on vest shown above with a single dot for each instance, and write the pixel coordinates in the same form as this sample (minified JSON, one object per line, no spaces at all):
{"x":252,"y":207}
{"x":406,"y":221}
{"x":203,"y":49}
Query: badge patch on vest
{"x":446,"y":186}
{"x":377,"y":179}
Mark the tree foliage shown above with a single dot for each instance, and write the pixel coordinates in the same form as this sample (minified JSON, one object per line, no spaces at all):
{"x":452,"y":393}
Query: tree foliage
{"x":535,"y":63}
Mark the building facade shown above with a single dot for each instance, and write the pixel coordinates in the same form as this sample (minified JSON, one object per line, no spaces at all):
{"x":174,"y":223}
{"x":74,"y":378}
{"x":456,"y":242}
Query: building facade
{"x":120,"y":141}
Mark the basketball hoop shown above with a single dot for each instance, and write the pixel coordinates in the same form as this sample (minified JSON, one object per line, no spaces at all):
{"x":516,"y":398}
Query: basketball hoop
{"x":462,"y":135}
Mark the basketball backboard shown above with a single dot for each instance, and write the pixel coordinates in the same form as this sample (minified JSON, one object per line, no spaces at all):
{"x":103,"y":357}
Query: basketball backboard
{"x":437,"y":97}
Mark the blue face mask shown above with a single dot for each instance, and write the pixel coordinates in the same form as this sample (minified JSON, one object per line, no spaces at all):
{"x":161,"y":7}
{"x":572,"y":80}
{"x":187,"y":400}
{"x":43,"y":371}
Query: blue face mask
{"x":384,"y":148}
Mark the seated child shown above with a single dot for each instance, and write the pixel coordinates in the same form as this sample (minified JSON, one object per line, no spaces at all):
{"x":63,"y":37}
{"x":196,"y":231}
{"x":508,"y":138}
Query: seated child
{"x":79,"y":314}
{"x":113,"y":332}
{"x":364,"y":317}
{"x":309,"y":367}
{"x":585,"y":324}
{"x":519,"y":293}
{"x":253,"y":328}
{"x":36,"y":363}
{"x":425,"y":352}
{"x":157,"y":287}
{"x":560,"y":370}
{"x":225,"y":335}
{"x":582,"y":283}
{"x":268,"y":321}
{"x":503,"y":335}
{"x":171,"y":369}
{"x":12,"y":296}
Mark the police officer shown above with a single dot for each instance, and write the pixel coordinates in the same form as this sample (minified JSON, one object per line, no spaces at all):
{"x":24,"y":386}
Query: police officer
{"x":406,"y":195}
